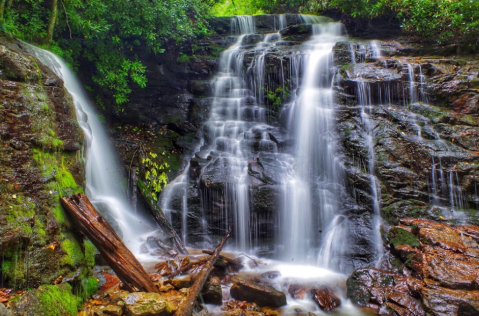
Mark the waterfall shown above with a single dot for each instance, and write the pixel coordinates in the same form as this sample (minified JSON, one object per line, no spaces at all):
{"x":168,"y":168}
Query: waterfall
{"x":365,"y":100}
{"x":316,"y":171}
{"x":278,"y":182}
{"x":103,"y":174}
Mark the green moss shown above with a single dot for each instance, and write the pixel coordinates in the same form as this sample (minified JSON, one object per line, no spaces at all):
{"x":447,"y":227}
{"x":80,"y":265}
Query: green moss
{"x":398,"y":236}
{"x":57,"y":300}
{"x":90,"y":251}
{"x":89,"y":287}
{"x":59,"y":214}
{"x":53,"y":167}
{"x":74,"y":255}
{"x":174,"y":161}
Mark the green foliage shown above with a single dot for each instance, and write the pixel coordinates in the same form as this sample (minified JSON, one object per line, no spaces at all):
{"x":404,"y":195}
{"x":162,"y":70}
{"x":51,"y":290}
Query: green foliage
{"x":90,"y":251}
{"x":254,"y":7}
{"x":156,"y":177}
{"x":441,"y":20}
{"x":277,"y":97}
{"x":74,"y":254}
{"x":107,"y":33}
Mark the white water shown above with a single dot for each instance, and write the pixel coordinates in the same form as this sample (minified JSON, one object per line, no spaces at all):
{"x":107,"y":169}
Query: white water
{"x":316,"y":171}
{"x":103,"y":174}
{"x":310,"y":227}
{"x":365,"y":100}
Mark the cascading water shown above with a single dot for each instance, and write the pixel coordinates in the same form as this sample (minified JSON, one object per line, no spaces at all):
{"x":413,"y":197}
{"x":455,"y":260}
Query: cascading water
{"x":103,"y":175}
{"x":365,"y":100}
{"x":295,"y":164}
{"x":316,"y":172}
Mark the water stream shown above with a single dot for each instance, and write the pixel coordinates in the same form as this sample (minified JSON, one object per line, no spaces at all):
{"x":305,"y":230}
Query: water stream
{"x":103,"y":174}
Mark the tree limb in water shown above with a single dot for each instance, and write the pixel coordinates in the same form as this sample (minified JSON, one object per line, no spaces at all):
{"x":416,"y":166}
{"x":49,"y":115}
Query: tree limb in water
{"x":105,"y":239}
{"x":186,"y":306}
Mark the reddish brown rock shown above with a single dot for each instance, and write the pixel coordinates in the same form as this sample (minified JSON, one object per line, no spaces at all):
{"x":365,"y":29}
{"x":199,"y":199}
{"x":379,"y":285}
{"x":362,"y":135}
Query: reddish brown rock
{"x":446,"y":258}
{"x":262,"y":295}
{"x":442,"y":302}
{"x":371,"y":287}
{"x":297,"y":291}
{"x":325,"y":298}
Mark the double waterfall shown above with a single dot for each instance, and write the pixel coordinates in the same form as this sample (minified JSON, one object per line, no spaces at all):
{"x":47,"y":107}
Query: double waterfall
{"x":311,"y":138}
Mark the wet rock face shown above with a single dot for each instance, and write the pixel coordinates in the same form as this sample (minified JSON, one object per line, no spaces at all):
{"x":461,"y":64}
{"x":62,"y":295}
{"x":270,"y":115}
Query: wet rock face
{"x":39,"y":143}
{"x":420,"y":115}
{"x":436,"y":272}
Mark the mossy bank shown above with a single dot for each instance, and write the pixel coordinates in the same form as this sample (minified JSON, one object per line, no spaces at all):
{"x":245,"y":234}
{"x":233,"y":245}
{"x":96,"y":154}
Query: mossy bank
{"x":41,"y":160}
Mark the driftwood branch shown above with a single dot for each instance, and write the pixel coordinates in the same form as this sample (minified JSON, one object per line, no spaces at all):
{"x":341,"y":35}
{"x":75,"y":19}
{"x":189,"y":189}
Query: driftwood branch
{"x":186,"y":306}
{"x":102,"y":235}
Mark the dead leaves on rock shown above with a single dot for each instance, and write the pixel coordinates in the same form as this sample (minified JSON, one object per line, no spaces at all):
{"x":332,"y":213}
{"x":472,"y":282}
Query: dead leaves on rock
{"x":8,"y":294}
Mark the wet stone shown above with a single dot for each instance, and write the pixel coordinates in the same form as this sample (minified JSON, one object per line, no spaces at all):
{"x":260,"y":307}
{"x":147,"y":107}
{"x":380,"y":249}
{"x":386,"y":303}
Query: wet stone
{"x":325,"y":298}
{"x":212,"y":292}
{"x":262,"y":295}
{"x":147,"y":304}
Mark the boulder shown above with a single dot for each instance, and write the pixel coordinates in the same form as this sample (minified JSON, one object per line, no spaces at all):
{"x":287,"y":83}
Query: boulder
{"x":263,"y":295}
{"x":147,"y":304}
{"x":443,"y":302}
{"x":444,"y":261}
{"x":212,"y":292}
{"x":325,"y":298}
{"x":385,"y":290}
{"x":5,"y":311}
{"x":297,"y":291}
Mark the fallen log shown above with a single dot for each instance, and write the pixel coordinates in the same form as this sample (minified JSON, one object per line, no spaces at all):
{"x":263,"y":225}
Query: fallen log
{"x":186,"y":306}
{"x":105,"y":239}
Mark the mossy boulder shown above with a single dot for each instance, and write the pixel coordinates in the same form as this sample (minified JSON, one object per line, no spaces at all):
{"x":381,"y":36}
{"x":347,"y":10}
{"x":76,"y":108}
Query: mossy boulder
{"x":48,"y":300}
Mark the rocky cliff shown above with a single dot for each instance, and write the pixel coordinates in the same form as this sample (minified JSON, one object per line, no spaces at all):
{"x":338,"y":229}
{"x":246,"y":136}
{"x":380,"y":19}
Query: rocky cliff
{"x":41,"y":160}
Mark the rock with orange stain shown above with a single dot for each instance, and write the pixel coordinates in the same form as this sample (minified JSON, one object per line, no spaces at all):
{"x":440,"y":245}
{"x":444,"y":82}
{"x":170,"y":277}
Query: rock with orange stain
{"x":444,"y":261}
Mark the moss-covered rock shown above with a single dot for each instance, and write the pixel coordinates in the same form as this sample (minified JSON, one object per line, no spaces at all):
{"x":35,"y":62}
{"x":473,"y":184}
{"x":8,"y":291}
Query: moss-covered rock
{"x":398,"y":236}
{"x":48,"y":300}
{"x":39,"y":154}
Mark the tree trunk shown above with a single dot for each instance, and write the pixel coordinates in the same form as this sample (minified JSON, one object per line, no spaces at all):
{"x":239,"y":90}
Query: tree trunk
{"x":98,"y":230}
{"x":186,"y":306}
{"x":2,"y":9}
{"x":51,"y":24}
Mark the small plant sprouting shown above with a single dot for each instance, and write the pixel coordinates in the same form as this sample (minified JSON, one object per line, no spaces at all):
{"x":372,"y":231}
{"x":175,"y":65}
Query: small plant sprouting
{"x":156,"y":176}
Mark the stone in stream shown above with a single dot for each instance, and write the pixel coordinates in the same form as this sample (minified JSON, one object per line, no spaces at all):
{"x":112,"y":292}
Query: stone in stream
{"x":147,"y":304}
{"x":325,"y":298}
{"x":262,"y":295}
{"x":113,"y":310}
{"x":297,"y":291}
{"x":212,"y":292}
